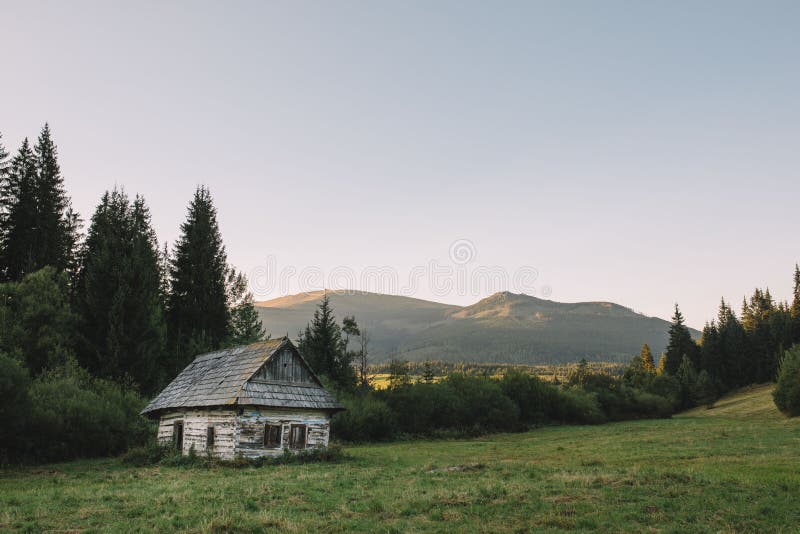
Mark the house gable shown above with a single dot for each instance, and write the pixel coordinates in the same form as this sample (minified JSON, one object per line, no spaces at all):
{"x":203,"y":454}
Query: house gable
{"x":286,"y":366}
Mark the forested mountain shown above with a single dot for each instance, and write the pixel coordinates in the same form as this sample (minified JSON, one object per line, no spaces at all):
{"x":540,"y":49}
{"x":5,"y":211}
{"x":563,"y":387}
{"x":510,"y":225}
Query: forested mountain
{"x":503,"y":327}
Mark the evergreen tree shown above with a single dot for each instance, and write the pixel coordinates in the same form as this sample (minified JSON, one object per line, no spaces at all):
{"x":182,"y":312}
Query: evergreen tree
{"x":680,"y":344}
{"x":795,"y":310}
{"x":19,"y":209}
{"x":646,"y":357}
{"x":761,"y":349}
{"x":687,"y":378}
{"x":712,"y":359}
{"x":642,"y":368}
{"x":245,"y":324}
{"x":732,"y":347}
{"x":399,"y":375}
{"x":39,"y":227}
{"x":197,"y":307}
{"x":118,"y":295}
{"x":4,"y":163}
{"x":324,"y":348}
{"x":56,"y":225}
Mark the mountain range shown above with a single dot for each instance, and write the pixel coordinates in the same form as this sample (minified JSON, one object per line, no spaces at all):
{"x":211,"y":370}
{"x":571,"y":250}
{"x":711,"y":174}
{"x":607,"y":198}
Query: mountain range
{"x":502,"y":328}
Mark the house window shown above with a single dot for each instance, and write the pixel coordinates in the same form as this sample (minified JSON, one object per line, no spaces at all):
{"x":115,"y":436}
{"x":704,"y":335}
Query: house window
{"x":297,"y":437}
{"x":210,"y":437}
{"x":272,"y":436}
{"x":177,"y":435}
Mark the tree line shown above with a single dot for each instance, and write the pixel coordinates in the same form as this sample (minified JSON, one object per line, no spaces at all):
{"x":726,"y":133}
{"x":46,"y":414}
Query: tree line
{"x":762,"y":345}
{"x":110,"y":312}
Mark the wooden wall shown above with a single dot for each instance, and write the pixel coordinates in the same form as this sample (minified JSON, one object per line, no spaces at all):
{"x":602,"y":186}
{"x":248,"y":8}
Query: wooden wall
{"x":284,"y":367}
{"x":195,"y":430}
{"x":253,"y":420}
{"x":243,"y":434}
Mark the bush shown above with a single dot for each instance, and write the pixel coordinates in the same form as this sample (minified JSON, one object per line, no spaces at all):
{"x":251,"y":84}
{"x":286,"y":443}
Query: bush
{"x":420,"y":409}
{"x":787,"y":391}
{"x":578,"y":406}
{"x":150,"y":454}
{"x":482,"y":406}
{"x":77,"y":416}
{"x":14,"y":409}
{"x":366,"y":419}
{"x":538,"y":402}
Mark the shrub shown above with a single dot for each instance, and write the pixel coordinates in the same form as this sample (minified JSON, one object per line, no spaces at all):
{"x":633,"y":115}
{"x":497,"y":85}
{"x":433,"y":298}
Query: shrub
{"x":149,"y":454}
{"x":537,"y":401}
{"x":578,"y":406}
{"x":14,"y":409}
{"x":668,"y":387}
{"x":482,"y":406}
{"x":366,"y":419}
{"x":787,"y":391}
{"x":420,"y":409}
{"x":77,"y":416}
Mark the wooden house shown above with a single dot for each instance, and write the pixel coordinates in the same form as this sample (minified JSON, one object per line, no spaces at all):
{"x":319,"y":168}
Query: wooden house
{"x":253,"y":400}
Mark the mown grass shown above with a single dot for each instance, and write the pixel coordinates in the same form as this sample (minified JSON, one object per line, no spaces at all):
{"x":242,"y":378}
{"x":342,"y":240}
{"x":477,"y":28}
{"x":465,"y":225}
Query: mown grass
{"x":733,"y":468}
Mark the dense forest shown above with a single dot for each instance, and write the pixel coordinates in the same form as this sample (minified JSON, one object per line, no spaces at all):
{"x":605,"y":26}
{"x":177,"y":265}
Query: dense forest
{"x":92,"y":323}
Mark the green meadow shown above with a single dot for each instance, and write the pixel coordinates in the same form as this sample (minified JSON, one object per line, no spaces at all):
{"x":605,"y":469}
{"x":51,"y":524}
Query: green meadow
{"x":732,"y":468}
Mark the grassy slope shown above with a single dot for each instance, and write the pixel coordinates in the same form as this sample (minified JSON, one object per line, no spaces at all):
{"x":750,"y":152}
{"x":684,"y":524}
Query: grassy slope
{"x":735,"y":468}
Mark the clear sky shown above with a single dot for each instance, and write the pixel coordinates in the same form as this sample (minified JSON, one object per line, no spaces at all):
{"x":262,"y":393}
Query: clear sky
{"x":638,"y":152}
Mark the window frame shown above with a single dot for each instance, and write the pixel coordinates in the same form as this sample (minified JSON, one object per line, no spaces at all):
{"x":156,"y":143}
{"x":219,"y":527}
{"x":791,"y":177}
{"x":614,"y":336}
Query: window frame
{"x":210,"y":437}
{"x":268,"y":443}
{"x":177,"y":430}
{"x":292,"y":429}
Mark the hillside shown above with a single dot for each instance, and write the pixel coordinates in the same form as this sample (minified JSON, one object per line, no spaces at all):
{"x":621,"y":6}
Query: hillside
{"x":504,"y":327}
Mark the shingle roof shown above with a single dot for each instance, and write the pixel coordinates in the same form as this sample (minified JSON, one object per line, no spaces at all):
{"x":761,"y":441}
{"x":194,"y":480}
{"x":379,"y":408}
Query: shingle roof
{"x":222,"y":379}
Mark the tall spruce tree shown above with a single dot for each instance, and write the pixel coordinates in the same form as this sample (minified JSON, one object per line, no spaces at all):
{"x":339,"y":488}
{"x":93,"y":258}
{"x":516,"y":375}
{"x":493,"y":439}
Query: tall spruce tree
{"x":325,"y":349}
{"x":56,"y":223}
{"x":3,"y":164}
{"x":18,"y":198}
{"x":733,"y":347}
{"x":245,"y":324}
{"x":40,"y":227}
{"x":197,"y":306}
{"x":761,"y":348}
{"x":795,"y":310}
{"x":118,"y":295}
{"x":712,"y":359}
{"x":680,"y":344}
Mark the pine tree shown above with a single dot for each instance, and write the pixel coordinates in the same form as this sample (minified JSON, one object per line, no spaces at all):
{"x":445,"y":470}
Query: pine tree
{"x":795,"y":310}
{"x":118,"y":295}
{"x":687,"y":378}
{"x":642,"y":368}
{"x":4,"y":163}
{"x":245,"y":324}
{"x":732,"y":347}
{"x":39,"y":227}
{"x":19,"y":209}
{"x":680,"y":344}
{"x":646,"y":356}
{"x":760,"y":344}
{"x":56,"y":225}
{"x":712,"y":359}
{"x":325,"y":349}
{"x":197,"y":307}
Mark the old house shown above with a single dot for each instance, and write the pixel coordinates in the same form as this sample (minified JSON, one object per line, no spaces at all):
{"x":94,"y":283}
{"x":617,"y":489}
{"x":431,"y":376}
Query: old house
{"x":253,"y":400}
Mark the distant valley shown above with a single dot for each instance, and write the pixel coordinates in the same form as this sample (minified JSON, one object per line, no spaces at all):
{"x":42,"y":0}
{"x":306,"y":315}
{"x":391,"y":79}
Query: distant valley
{"x":503,"y":328}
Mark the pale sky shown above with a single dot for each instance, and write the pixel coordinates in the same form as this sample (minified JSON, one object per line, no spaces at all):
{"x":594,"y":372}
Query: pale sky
{"x":636,"y":152}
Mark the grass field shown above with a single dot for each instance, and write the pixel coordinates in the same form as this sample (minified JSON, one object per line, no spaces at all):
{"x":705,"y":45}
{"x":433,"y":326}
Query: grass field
{"x":733,"y":468}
